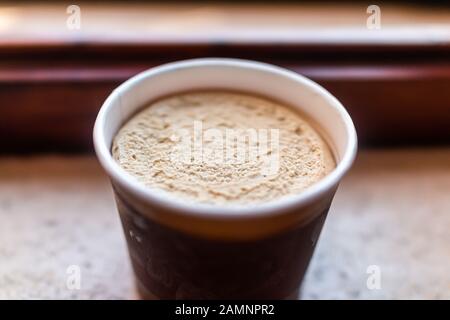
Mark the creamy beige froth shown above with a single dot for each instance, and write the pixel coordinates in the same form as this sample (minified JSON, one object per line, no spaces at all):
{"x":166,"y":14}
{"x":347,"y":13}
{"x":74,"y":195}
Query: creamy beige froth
{"x":222,"y":147}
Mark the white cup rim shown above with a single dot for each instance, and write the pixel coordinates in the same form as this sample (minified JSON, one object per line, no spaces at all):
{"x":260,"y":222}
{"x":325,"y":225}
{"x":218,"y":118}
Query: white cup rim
{"x":212,"y":211}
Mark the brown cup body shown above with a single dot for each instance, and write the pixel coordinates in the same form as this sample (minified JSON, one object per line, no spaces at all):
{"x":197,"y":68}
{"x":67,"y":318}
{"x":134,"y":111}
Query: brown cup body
{"x":175,"y":264}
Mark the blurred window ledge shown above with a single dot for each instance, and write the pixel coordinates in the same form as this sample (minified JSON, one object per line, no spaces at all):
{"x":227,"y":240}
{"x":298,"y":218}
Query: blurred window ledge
{"x":54,"y":76}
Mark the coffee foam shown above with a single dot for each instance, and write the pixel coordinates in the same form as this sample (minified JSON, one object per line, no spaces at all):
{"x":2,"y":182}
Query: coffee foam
{"x":222,"y":147}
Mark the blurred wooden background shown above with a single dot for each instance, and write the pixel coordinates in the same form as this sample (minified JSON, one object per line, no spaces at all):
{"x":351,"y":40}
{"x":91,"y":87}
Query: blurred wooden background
{"x":395,"y":81}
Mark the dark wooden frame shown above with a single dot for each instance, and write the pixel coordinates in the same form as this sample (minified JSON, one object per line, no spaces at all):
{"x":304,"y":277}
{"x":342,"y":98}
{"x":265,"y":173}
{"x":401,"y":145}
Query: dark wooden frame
{"x":50,"y":92}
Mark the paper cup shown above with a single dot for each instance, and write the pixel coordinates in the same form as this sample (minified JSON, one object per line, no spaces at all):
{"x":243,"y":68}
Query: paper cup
{"x":184,"y":250}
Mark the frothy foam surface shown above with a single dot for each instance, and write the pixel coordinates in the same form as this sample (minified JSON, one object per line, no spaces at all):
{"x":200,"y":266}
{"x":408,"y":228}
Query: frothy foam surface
{"x":222,"y":147}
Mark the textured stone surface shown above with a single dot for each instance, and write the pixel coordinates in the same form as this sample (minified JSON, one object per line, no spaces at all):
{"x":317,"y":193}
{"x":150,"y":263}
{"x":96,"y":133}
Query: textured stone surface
{"x":392,"y":211}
